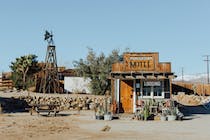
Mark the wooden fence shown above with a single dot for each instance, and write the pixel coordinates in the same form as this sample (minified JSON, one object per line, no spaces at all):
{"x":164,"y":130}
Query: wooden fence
{"x":198,"y":88}
{"x":6,"y":84}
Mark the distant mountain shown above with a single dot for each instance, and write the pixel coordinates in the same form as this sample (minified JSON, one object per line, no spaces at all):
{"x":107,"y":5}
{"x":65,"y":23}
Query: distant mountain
{"x":195,"y":78}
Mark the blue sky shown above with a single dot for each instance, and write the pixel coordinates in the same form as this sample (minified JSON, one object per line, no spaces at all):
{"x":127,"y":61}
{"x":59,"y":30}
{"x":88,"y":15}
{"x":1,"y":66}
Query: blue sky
{"x":179,"y":30}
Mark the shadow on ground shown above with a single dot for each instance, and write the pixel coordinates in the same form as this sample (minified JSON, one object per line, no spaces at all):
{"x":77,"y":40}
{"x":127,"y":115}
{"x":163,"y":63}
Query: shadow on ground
{"x":193,"y":110}
{"x":12,"y":105}
{"x":57,"y":115}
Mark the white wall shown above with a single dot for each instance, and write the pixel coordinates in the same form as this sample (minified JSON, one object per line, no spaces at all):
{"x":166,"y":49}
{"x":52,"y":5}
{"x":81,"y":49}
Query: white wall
{"x":77,"y":84}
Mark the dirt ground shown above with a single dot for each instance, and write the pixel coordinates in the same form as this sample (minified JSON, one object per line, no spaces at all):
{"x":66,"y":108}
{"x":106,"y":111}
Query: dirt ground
{"x":69,"y":125}
{"x":83,"y":126}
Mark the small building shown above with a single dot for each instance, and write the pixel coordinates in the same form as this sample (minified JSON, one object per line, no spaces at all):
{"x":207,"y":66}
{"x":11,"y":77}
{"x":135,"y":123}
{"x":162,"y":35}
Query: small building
{"x":5,"y":82}
{"x":77,"y":85}
{"x":140,"y":76}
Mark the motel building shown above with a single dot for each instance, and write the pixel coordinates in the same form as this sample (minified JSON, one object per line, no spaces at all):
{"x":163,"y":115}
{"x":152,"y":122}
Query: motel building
{"x":139,"y":76}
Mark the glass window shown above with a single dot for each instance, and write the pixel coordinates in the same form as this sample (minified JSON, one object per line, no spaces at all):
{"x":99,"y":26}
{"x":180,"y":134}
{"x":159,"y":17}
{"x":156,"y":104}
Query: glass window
{"x":146,"y":91}
{"x":158,"y":91}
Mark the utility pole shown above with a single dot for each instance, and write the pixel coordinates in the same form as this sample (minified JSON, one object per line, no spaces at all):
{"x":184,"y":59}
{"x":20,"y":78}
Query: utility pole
{"x":207,"y":62}
{"x":182,"y":74}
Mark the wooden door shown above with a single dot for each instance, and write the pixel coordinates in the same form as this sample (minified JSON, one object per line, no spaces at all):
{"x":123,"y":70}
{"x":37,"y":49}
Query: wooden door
{"x":126,"y":96}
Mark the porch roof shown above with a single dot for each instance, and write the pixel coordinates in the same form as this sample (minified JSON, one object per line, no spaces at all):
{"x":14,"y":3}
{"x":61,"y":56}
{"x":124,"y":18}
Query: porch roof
{"x":142,"y":75}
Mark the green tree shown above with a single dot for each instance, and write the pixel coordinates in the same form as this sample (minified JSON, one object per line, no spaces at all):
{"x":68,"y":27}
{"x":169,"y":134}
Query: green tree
{"x":97,"y":68}
{"x":22,"y":69}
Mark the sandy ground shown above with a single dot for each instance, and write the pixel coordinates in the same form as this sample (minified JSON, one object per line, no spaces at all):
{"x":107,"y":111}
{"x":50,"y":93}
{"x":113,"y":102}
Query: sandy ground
{"x":83,"y":126}
{"x":70,"y":125}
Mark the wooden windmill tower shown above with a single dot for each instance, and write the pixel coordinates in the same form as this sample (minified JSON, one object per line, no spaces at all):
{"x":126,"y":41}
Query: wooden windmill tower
{"x":50,"y":81}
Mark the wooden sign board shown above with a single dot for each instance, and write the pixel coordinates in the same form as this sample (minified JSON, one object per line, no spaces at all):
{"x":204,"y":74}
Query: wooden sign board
{"x":140,"y":61}
{"x":152,"y":83}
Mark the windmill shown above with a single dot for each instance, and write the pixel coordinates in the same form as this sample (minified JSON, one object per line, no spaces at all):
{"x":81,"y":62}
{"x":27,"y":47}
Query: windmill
{"x":49,"y":81}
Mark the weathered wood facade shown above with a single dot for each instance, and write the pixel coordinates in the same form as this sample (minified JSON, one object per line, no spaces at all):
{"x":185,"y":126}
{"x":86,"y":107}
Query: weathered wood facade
{"x":139,"y":76}
{"x":191,"y":88}
{"x":5,"y":82}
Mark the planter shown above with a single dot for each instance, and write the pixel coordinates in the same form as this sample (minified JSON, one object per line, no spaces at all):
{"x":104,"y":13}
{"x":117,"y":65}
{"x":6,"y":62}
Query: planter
{"x":163,"y":118}
{"x":171,"y":117}
{"x":100,"y":117}
{"x":107,"y":117}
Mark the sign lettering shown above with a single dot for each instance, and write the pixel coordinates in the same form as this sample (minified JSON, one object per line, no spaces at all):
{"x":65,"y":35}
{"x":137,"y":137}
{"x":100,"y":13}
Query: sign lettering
{"x":141,"y":62}
{"x":152,"y":83}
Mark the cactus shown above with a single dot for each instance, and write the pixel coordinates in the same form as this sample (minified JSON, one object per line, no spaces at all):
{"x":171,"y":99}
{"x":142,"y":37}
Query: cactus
{"x":146,"y":111}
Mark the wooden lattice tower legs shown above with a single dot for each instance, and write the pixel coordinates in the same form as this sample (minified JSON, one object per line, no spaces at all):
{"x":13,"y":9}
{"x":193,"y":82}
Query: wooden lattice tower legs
{"x":50,"y":81}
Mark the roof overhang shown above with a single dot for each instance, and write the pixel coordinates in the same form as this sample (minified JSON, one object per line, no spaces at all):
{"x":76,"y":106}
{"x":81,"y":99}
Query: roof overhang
{"x":142,"y":75}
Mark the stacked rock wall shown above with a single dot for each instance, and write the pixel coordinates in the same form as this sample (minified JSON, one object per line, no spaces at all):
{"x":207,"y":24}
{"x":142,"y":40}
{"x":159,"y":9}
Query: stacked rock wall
{"x":19,"y":103}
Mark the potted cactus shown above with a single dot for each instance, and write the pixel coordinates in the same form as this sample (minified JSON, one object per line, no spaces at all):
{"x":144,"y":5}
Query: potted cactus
{"x":99,"y":113}
{"x":172,"y":113}
{"x":107,"y":114}
{"x":163,"y":115}
{"x":171,"y":116}
{"x":146,"y":112}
